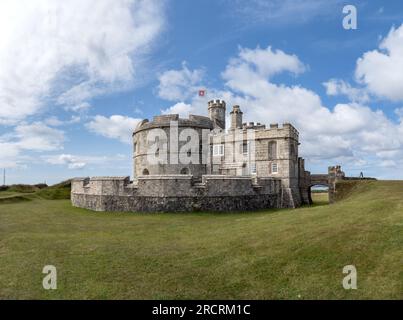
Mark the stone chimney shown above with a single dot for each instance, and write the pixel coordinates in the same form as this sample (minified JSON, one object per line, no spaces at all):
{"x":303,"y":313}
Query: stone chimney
{"x":236,"y":118}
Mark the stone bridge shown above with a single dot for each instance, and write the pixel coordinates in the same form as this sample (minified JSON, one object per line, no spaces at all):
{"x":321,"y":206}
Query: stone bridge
{"x":319,"y":180}
{"x":329,"y":180}
{"x":334,"y":175}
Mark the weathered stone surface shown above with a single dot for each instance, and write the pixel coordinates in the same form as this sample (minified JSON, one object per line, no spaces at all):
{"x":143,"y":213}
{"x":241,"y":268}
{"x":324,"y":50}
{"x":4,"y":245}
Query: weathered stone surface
{"x":231,"y":181}
{"x":176,"y":193}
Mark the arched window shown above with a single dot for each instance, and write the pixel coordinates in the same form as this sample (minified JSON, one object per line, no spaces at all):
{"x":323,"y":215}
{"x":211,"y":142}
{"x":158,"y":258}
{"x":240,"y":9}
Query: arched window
{"x":146,"y":172}
{"x":272,"y":150}
{"x":185,"y":171}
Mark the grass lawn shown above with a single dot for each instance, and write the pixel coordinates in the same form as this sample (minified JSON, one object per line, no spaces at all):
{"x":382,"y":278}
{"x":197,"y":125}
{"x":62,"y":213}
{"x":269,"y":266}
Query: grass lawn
{"x":274,"y":254}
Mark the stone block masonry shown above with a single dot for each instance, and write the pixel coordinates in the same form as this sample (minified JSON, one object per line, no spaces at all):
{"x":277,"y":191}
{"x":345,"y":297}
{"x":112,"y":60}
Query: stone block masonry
{"x":176,"y":193}
{"x":198,"y":163}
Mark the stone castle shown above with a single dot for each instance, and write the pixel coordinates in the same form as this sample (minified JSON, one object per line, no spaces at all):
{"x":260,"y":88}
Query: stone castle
{"x":199,"y":164}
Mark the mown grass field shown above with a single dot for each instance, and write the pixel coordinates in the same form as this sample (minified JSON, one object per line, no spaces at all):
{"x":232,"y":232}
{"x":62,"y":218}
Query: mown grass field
{"x":275,"y":254}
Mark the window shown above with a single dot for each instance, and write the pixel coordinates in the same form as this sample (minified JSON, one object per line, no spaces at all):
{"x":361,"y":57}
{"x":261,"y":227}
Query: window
{"x":145,"y":172}
{"x":274,"y":168}
{"x":218,"y":150}
{"x":244,"y":148}
{"x":134,"y":147}
{"x":272,"y":150}
{"x":253,"y":168}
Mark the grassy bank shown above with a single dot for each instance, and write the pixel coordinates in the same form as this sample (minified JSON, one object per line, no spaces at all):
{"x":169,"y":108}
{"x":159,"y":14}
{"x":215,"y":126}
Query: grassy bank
{"x":276,"y":254}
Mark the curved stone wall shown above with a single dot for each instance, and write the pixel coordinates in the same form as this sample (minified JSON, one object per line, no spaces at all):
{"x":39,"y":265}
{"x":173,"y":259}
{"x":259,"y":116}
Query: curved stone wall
{"x":142,"y":146}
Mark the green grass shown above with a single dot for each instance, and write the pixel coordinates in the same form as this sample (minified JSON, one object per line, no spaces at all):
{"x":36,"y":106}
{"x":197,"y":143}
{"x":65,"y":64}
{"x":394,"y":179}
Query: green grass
{"x":275,"y":254}
{"x":19,"y":193}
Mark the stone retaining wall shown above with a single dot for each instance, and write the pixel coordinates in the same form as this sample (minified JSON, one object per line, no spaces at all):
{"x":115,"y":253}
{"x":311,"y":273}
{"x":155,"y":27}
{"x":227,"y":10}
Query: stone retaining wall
{"x":176,"y":193}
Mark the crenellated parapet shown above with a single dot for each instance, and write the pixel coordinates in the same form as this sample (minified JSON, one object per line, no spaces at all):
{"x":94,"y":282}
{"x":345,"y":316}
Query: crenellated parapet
{"x":165,"y":121}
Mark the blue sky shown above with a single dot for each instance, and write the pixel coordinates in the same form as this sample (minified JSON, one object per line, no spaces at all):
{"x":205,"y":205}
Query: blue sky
{"x":76,"y":77}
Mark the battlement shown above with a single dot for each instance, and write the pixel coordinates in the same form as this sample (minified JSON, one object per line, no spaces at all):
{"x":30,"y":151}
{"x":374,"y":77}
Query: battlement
{"x":216,"y":103}
{"x":274,"y":131}
{"x":252,"y":125}
{"x":200,"y":120}
{"x":165,"y":120}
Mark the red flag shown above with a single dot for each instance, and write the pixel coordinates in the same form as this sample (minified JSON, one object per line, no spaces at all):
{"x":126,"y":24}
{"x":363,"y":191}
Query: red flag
{"x":202,"y":93}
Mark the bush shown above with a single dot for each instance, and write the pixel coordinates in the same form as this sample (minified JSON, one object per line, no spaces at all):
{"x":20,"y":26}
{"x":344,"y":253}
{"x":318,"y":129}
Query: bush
{"x":41,"y":185}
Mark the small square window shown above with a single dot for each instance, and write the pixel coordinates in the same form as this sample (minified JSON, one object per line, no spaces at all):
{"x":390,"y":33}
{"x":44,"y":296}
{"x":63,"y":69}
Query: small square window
{"x":218,"y":150}
{"x":274,"y":168}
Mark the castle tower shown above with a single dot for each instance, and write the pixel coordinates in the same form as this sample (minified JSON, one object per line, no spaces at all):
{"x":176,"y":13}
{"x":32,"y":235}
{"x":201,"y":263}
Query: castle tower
{"x":236,"y":118}
{"x":216,"y":111}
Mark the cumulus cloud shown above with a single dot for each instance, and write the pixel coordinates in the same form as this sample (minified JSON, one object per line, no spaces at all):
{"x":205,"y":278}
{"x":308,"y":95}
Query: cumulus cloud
{"x":71,"y":161}
{"x":180,"y":84}
{"x":350,"y":131}
{"x":38,"y":137}
{"x":345,"y":130}
{"x":181,"y":108}
{"x":266,"y":63}
{"x":382,"y":70}
{"x":35,"y":137}
{"x":336,"y":87}
{"x":399,"y":113}
{"x":67,"y":52}
{"x":115,"y":127}
{"x":78,"y":162}
{"x":9,"y":154}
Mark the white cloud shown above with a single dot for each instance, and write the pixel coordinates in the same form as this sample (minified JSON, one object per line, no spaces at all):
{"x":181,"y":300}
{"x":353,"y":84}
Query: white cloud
{"x":53,"y":121}
{"x":38,"y":137}
{"x":114,"y":127}
{"x":399,"y":113}
{"x":335,"y":87}
{"x":266,"y":63}
{"x":67,"y":52}
{"x":9,"y":154}
{"x":346,"y":130}
{"x":180,"y":84}
{"x":35,"y":137}
{"x":181,"y":108}
{"x":78,"y":162}
{"x":382,"y":70}
{"x":71,"y":161}
{"x":350,"y":133}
